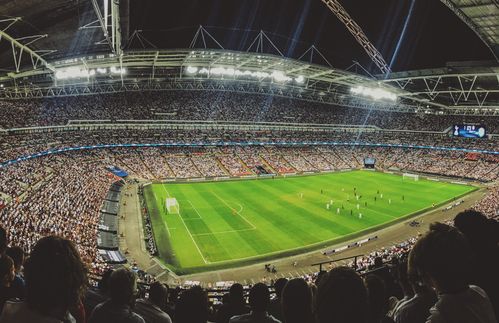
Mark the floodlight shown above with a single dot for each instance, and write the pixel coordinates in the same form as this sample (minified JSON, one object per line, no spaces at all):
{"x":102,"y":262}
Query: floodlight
{"x":375,"y":93}
{"x":192,"y":70}
{"x":280,"y":76}
{"x":300,"y":79}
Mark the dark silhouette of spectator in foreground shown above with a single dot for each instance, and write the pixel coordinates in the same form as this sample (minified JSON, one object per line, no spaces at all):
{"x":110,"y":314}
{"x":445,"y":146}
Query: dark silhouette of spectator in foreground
{"x":152,"y":309}
{"x":275,"y":308}
{"x":405,"y":286}
{"x":7,"y":275}
{"x":122,"y":290}
{"x":378,"y":299}
{"x":95,"y":296}
{"x":417,"y":308}
{"x":236,"y":305}
{"x":55,"y":280}
{"x":297,"y":302}
{"x":192,"y":306}
{"x":341,"y":297}
{"x":3,"y":241}
{"x":259,"y":299}
{"x":482,"y":237}
{"x":17,"y":255}
{"x":442,"y":257}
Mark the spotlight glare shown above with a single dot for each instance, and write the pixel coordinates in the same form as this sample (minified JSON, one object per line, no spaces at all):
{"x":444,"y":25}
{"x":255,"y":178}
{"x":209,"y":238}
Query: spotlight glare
{"x":374,"y":93}
{"x":192,"y":70}
{"x":300,"y":79}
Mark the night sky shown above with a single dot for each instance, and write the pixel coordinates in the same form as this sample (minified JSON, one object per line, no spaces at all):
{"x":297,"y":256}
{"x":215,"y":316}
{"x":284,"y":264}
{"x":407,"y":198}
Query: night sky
{"x":433,"y":34}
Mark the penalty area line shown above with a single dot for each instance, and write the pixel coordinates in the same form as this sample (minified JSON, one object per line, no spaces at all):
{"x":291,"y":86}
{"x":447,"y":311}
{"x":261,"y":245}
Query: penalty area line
{"x":192,"y":238}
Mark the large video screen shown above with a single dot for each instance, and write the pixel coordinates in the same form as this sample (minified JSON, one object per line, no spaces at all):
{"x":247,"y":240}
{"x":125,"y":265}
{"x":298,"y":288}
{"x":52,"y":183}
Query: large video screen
{"x":369,"y":161}
{"x":469,"y":131}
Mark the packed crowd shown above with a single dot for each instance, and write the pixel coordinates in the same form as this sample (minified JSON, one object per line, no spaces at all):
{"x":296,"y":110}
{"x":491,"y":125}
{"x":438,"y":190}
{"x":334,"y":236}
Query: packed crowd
{"x":162,"y":163}
{"x":448,"y":274}
{"x":489,"y":205}
{"x":66,"y":203}
{"x":15,"y":144}
{"x":214,"y":106}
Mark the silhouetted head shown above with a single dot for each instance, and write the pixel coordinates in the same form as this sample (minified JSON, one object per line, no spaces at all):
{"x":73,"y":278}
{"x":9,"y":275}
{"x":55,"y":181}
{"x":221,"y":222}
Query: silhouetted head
{"x":279,"y":285}
{"x":158,"y":294}
{"x":122,"y":286}
{"x":192,"y":306}
{"x":236,"y":294}
{"x":259,"y":298}
{"x":341,"y":297}
{"x":442,"y":258}
{"x":377,"y":296}
{"x":7,"y":271}
{"x":296,"y":302}
{"x":55,"y":276}
{"x":17,"y":255}
{"x":3,"y":241}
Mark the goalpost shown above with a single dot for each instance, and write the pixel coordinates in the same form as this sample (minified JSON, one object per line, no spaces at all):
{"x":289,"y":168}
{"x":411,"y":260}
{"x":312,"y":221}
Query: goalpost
{"x":410,"y":176}
{"x":172,"y":206}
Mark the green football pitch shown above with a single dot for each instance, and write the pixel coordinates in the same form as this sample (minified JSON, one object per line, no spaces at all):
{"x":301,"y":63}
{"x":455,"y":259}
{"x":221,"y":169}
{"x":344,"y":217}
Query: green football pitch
{"x":230,"y":223}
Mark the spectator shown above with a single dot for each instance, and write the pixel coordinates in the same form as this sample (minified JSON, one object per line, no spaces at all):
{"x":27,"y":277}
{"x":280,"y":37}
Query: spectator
{"x":95,"y":296}
{"x":236,"y":304}
{"x":152,"y":309}
{"x":482,"y":239}
{"x":405,"y":285}
{"x":275,"y":307}
{"x":55,"y":281}
{"x":17,"y":255}
{"x":3,"y":241}
{"x":417,"y":308}
{"x":259,"y":299}
{"x":297,"y":302}
{"x":442,"y":257}
{"x":122,"y":289}
{"x":378,"y":299}
{"x":192,"y":306}
{"x":341,"y":297}
{"x":7,"y":275}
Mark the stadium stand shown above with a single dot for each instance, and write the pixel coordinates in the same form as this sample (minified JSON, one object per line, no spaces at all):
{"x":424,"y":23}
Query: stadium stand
{"x":65,"y":194}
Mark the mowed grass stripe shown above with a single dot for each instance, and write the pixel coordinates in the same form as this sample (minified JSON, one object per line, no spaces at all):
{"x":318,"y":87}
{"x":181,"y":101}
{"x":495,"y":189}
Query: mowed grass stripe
{"x":210,"y":246}
{"x":307,"y":215}
{"x":284,"y":221}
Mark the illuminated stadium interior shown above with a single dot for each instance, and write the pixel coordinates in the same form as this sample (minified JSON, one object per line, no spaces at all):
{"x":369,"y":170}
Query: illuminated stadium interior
{"x":296,"y":142}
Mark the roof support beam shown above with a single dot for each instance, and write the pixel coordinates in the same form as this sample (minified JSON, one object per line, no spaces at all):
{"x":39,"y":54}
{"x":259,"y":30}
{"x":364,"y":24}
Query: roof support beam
{"x":358,"y":34}
{"x":116,"y":26}
{"x":102,"y":22}
{"x":19,"y":48}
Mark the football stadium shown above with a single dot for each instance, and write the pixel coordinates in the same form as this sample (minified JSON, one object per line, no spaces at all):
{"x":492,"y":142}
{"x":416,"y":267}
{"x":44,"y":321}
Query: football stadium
{"x":303,"y":161}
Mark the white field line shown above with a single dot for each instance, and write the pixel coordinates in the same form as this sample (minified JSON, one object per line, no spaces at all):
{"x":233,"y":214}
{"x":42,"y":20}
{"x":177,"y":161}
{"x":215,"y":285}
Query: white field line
{"x":237,"y":212}
{"x":195,"y":209}
{"x":189,"y":232}
{"x":220,"y":232}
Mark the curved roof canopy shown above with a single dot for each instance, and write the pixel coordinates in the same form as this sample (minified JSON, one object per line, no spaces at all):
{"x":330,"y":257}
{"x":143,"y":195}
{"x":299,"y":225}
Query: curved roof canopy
{"x":482,"y":16}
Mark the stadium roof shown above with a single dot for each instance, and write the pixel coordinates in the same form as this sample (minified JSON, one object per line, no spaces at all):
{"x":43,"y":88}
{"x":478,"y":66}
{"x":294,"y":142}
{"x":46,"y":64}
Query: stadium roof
{"x":482,"y":16}
{"x":77,"y":35}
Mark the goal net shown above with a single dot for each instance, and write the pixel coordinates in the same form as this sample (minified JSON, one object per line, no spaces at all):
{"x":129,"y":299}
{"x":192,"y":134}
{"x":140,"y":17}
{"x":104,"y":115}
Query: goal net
{"x":172,"y":206}
{"x":410,"y":176}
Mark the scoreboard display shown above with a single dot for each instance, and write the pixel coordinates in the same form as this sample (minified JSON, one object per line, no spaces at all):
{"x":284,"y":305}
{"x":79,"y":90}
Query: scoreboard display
{"x":469,"y":131}
{"x":369,"y":162}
